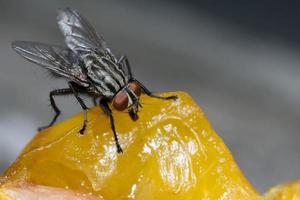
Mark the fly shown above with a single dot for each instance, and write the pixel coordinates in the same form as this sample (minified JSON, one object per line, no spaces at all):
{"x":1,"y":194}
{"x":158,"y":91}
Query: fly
{"x":90,"y":67}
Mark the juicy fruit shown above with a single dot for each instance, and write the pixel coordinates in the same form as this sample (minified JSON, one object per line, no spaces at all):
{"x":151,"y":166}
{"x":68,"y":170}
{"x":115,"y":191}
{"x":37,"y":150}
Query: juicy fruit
{"x":286,"y":191}
{"x":171,"y":152}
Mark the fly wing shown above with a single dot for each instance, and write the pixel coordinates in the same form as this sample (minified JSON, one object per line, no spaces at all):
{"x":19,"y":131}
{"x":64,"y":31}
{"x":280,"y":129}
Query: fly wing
{"x":57,"y":59}
{"x":79,"y":35}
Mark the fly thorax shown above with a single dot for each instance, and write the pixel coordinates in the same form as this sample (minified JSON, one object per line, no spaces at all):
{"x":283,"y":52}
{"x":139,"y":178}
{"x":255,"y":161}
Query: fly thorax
{"x":103,"y":77}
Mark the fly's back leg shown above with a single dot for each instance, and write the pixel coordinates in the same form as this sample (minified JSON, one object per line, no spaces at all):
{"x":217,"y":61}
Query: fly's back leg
{"x":58,"y":92}
{"x":74,"y":88}
{"x":107,"y":111}
{"x":147,"y":92}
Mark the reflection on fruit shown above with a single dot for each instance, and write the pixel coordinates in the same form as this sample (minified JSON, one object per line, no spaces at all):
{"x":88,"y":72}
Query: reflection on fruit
{"x":171,"y":152}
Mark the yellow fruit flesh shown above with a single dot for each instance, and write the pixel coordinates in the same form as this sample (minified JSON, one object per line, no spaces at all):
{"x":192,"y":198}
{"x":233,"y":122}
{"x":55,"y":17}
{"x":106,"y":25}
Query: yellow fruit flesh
{"x":170,"y":152}
{"x":285,"y":191}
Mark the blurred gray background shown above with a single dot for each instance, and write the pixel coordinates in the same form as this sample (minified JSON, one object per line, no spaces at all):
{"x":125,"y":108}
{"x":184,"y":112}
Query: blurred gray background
{"x":238,"y":59}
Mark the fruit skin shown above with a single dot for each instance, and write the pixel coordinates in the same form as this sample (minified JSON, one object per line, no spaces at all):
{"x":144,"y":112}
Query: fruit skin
{"x":171,"y":152}
{"x":25,"y":191}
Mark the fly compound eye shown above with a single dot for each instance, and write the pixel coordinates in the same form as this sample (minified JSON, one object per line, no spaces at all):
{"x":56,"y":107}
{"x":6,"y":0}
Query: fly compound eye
{"x":136,"y":88}
{"x":120,"y":102}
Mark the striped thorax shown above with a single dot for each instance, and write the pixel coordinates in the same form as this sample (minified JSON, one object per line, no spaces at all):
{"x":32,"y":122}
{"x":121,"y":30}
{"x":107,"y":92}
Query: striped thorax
{"x":107,"y":76}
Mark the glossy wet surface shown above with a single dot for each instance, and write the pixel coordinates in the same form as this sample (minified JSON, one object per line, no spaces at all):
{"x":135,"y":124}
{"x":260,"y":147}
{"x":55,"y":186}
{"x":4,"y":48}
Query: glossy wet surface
{"x":171,"y":153}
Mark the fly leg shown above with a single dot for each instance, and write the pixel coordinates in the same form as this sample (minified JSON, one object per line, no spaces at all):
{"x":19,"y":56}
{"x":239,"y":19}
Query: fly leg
{"x":95,"y":100}
{"x":147,"y":92}
{"x":74,"y":88}
{"x":127,"y":65}
{"x":107,"y":111}
{"x":58,"y":92}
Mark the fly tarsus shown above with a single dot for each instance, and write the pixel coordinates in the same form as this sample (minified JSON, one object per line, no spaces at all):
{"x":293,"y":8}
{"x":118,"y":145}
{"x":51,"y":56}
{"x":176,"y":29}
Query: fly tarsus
{"x":81,"y":131}
{"x":173,"y":97}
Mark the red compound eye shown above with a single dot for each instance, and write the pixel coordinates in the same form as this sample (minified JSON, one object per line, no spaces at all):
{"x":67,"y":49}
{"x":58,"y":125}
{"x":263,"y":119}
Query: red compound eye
{"x":136,"y":88}
{"x":120,"y":102}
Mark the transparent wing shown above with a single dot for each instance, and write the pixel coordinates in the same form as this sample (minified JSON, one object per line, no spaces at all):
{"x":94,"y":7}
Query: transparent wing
{"x":57,"y":59}
{"x":79,"y":35}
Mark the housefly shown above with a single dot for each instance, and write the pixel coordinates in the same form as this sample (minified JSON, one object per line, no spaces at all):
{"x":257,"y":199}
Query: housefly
{"x":90,"y":68}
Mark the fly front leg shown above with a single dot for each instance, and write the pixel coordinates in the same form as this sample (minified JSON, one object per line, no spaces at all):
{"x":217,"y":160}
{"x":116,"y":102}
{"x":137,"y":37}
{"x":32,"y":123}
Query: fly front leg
{"x":94,"y":98}
{"x":104,"y":105}
{"x":74,"y":88}
{"x":58,"y":92}
{"x":147,"y":92}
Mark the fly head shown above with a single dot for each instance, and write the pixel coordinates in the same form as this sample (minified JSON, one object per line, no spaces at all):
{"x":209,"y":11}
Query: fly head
{"x":128,"y":98}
